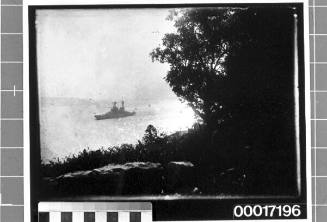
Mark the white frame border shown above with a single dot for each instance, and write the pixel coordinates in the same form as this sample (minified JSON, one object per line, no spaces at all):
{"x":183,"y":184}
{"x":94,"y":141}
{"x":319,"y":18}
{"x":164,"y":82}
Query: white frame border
{"x":26,"y":3}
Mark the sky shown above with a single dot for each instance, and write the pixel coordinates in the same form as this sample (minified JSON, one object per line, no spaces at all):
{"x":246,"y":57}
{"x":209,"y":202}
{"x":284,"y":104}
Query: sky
{"x":101,"y":54}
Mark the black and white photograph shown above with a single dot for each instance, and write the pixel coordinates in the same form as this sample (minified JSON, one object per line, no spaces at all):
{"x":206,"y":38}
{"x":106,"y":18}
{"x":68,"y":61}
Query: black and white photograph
{"x":168,"y":103}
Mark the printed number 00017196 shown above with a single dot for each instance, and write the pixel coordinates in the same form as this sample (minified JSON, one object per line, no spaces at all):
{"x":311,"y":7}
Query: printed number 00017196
{"x":271,"y":211}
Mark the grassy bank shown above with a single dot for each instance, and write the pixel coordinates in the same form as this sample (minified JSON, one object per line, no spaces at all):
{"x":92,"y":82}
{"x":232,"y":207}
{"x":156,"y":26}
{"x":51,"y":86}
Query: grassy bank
{"x":223,"y":163}
{"x":153,"y":147}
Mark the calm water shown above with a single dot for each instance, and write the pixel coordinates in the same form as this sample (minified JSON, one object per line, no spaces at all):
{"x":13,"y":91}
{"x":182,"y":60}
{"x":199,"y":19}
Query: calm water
{"x":68,"y":125}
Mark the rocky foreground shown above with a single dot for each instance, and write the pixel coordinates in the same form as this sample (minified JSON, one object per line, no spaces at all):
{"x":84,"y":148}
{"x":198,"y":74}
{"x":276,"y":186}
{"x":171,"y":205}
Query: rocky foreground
{"x":133,"y":178}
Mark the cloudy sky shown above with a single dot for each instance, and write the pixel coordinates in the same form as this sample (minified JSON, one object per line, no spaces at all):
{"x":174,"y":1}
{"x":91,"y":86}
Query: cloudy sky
{"x":101,"y":54}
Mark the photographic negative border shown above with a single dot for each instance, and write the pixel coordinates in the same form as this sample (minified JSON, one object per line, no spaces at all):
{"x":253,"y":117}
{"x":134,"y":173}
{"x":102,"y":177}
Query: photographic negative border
{"x":163,"y":209}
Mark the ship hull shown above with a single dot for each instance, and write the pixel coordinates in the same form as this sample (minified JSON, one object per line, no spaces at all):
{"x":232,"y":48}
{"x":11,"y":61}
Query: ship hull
{"x":114,"y":115}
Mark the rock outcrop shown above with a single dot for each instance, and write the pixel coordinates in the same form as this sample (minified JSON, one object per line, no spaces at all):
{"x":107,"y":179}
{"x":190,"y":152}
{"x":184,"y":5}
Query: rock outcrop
{"x":180,"y":176}
{"x":113,"y":179}
{"x":133,"y":178}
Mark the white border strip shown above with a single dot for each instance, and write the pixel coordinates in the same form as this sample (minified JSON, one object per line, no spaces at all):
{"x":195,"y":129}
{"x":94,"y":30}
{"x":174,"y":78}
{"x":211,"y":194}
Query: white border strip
{"x":26,"y":114}
{"x":123,"y":2}
{"x":307,"y":107}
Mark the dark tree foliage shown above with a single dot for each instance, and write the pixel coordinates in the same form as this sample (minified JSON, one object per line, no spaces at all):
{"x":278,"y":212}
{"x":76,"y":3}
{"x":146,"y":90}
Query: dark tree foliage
{"x":261,"y":81}
{"x":151,"y":134}
{"x":234,"y":66}
{"x":196,"y":54}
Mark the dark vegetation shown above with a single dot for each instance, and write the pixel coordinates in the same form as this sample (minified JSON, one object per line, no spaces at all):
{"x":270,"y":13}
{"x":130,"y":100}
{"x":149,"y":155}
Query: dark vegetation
{"x":234,"y":67}
{"x":154,"y":147}
{"x":204,"y":178}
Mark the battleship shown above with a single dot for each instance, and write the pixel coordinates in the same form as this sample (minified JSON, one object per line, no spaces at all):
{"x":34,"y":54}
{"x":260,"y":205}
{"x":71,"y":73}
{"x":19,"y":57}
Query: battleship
{"x":115,"y":112}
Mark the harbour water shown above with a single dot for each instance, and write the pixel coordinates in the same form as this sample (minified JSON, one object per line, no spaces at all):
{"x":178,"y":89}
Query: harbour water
{"x":68,"y":125}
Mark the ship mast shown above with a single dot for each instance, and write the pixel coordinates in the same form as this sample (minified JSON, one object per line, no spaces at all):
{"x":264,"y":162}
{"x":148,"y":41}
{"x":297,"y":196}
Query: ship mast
{"x":122,"y":105}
